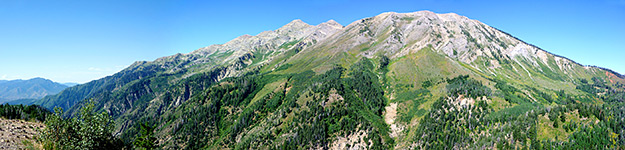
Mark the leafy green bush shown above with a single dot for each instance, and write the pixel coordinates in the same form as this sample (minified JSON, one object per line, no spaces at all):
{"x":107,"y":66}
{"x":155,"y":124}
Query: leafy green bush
{"x":90,"y":130}
{"x":146,"y":139}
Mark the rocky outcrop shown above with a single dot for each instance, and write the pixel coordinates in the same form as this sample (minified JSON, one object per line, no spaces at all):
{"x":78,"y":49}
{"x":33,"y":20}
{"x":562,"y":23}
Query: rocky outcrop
{"x":14,"y":133}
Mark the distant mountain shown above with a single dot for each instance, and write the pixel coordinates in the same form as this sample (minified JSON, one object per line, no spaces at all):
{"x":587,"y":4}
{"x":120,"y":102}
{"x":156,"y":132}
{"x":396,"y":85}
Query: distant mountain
{"x":34,"y":88}
{"x":70,"y":84}
{"x":25,"y":101}
{"x":416,"y":80}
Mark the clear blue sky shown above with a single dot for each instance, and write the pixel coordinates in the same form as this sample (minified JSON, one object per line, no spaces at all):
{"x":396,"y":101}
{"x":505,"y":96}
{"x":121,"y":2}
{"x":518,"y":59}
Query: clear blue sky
{"x":79,"y":41}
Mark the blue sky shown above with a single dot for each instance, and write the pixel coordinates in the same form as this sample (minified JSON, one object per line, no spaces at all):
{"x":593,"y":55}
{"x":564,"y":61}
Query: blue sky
{"x":79,"y":41}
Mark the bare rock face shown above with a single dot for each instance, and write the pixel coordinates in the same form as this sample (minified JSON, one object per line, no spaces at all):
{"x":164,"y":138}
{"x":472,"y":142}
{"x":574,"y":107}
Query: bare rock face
{"x":354,"y":141}
{"x":398,"y":34}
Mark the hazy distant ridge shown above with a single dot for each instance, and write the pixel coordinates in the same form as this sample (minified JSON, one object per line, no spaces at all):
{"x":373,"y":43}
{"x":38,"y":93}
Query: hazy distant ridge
{"x":34,"y":88}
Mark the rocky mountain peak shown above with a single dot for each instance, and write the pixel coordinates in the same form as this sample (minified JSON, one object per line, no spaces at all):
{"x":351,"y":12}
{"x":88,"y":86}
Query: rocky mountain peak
{"x":293,"y":26}
{"x":324,"y":30}
{"x":297,"y":22}
{"x":330,"y":24}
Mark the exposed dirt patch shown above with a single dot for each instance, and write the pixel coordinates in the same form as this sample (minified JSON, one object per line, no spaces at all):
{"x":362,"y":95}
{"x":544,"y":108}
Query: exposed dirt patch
{"x":14,"y":133}
{"x":466,"y":101}
{"x":610,"y":75}
{"x":354,"y":141}
{"x":332,"y":97}
{"x":389,"y":117}
{"x":391,"y":112}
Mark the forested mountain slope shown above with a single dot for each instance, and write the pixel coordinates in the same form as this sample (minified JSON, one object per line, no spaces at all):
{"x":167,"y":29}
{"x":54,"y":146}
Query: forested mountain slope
{"x":396,"y":80}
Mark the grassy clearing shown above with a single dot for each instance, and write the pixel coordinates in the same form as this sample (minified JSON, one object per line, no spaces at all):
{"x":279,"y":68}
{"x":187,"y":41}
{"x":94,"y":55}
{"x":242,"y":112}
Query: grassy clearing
{"x":268,"y":88}
{"x":547,"y":131}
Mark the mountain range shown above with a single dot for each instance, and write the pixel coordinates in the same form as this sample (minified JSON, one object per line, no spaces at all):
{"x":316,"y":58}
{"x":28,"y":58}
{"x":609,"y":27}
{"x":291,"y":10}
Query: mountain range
{"x":28,"y":90}
{"x":395,"y":80}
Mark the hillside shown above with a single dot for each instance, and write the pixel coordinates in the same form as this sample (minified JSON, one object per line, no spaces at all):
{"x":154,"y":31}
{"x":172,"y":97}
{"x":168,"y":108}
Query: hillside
{"x":34,"y":88}
{"x":19,"y":125}
{"x":18,"y":134}
{"x":396,"y":80}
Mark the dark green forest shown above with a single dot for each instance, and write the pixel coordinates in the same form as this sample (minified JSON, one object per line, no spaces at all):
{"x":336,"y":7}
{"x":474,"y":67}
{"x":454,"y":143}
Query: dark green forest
{"x":24,"y":112}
